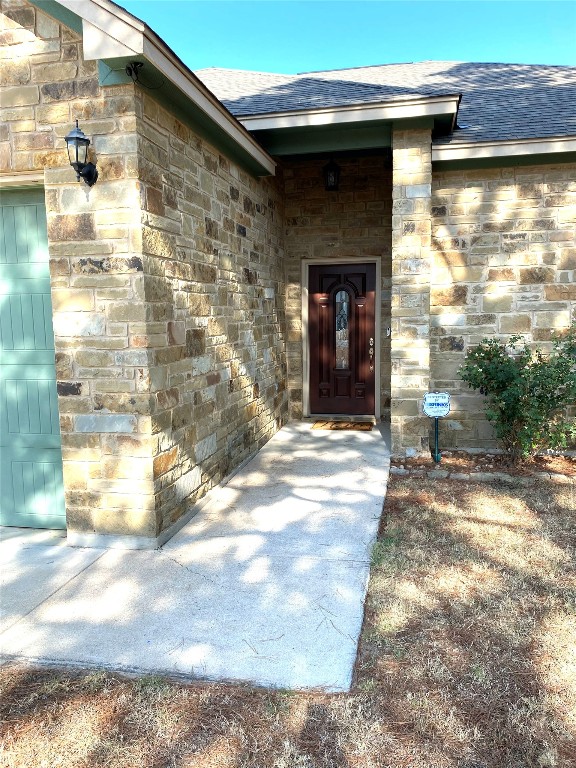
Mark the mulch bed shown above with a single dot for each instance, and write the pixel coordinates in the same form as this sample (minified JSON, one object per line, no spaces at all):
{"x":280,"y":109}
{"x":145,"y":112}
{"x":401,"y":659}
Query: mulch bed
{"x":462,"y":463}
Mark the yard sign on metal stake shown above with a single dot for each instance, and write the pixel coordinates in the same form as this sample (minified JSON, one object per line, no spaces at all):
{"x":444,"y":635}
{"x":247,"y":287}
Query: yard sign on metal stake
{"x":436,"y":405}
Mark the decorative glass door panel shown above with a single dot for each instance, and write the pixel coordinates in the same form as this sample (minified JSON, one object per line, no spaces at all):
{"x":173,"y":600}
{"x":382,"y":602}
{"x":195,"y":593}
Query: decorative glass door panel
{"x":341,"y":317}
{"x":342,"y":341}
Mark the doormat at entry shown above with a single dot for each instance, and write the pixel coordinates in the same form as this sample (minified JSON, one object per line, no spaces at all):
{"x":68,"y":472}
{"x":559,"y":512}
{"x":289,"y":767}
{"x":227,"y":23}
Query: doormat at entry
{"x":358,"y":426}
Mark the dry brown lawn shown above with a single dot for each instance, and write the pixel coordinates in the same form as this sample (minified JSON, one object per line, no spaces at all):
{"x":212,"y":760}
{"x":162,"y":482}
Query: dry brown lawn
{"x":467,"y":660}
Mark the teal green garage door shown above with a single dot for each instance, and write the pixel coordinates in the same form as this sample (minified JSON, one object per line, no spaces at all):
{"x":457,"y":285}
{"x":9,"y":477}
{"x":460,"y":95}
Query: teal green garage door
{"x":32,"y":492}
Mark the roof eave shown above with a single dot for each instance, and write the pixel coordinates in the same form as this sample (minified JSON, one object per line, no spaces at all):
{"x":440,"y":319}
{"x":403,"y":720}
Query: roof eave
{"x":430,"y":106}
{"x":110,"y":32}
{"x":508,"y":148}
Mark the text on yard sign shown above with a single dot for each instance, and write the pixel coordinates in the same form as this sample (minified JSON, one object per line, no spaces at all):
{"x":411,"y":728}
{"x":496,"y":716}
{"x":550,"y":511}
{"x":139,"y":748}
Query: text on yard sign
{"x":436,"y":404}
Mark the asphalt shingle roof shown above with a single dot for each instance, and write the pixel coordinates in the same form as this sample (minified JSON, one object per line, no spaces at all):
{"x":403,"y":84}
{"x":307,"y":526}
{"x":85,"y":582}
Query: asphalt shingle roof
{"x":499,"y":101}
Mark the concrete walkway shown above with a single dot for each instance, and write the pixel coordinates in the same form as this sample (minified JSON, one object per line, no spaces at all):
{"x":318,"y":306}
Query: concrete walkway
{"x":265,"y":584}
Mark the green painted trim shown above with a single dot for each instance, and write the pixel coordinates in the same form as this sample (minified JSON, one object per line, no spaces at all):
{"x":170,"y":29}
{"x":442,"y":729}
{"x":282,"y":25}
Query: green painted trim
{"x":552,"y":158}
{"x":340,"y":138}
{"x":111,"y":73}
{"x":374,"y":134}
{"x":414,"y":123}
{"x":61,"y":14}
{"x":17,"y":196}
{"x":152,"y":81}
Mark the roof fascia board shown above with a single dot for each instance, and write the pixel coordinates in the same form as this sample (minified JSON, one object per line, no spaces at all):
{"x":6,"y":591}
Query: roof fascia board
{"x":109,"y":32}
{"x":99,"y":21}
{"x":174,"y":101}
{"x":174,"y":71}
{"x":357,"y":113}
{"x":518,"y":147}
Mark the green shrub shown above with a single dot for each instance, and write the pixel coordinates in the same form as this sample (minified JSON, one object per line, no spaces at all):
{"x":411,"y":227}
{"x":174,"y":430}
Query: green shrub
{"x":528,"y":392}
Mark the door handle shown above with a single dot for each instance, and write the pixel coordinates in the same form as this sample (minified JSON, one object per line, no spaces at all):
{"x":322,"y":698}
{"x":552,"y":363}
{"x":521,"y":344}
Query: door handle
{"x":371,"y":353}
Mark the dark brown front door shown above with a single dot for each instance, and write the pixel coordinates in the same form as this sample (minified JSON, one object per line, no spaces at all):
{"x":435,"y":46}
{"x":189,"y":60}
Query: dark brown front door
{"x":342,"y":340}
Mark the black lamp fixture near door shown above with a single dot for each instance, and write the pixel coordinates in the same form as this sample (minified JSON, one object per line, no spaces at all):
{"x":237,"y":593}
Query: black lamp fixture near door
{"x":331,"y":173}
{"x":77,"y":144}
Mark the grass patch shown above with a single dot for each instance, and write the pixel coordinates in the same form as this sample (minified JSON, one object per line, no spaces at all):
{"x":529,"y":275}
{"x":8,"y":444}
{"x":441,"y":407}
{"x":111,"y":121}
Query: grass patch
{"x":467,"y":660}
{"x":381,"y":551}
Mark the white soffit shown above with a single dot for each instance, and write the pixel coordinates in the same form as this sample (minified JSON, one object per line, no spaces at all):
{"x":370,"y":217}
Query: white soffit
{"x":358,"y":113}
{"x":111,"y":32}
{"x":483,"y":149}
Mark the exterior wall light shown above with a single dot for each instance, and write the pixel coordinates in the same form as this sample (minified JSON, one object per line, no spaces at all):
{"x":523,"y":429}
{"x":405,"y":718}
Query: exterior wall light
{"x":77,"y":144}
{"x":331,"y":173}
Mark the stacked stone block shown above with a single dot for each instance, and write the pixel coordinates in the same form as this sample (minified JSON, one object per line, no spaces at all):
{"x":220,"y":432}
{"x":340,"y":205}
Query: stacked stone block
{"x":167,"y":287}
{"x":176,"y":280}
{"x":95,"y":264}
{"x":411,"y":270}
{"x":352,"y":223}
{"x":504,"y":248}
{"x":214,"y":288}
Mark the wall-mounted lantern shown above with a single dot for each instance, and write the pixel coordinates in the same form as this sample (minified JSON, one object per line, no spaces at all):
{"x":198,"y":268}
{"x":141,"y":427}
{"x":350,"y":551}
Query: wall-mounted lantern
{"x":331,"y":173}
{"x":78,"y":144}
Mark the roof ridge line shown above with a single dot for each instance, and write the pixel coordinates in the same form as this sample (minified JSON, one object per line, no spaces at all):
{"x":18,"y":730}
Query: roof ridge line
{"x":389,"y":64}
{"x":437,"y":61}
{"x":243,"y":71}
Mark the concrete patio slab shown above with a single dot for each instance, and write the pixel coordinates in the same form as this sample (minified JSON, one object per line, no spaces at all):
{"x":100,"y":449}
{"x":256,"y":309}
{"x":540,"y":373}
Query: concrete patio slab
{"x":266,"y":584}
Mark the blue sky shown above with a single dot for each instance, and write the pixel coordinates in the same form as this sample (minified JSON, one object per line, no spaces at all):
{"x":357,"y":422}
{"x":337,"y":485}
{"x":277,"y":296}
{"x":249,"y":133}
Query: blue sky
{"x":303,"y":35}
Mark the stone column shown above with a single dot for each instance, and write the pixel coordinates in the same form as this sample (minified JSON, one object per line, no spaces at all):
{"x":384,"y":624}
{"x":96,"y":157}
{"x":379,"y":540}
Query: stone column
{"x":411,"y":267}
{"x":101,"y":326}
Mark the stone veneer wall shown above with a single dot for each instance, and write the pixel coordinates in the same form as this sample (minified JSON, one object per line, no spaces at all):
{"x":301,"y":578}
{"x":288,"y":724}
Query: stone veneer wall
{"x":95,"y":265}
{"x":411,"y":270}
{"x":214,"y":288}
{"x":166,"y":286}
{"x":354,"y":222}
{"x":504,"y":247}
